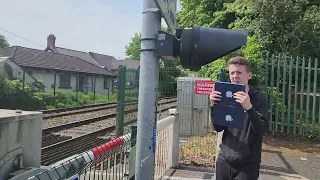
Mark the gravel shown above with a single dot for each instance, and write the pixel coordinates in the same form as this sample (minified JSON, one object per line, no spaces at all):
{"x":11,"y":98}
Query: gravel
{"x":55,"y":121}
{"x":96,"y":126}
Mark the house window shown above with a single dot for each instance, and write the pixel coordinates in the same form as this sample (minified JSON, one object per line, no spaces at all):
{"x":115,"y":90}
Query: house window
{"x":64,"y":81}
{"x":106,"y":83}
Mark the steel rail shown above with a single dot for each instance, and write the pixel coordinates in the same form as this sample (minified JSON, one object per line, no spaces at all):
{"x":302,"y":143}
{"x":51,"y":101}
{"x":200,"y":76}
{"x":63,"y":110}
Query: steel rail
{"x":69,"y":147}
{"x":87,"y":109}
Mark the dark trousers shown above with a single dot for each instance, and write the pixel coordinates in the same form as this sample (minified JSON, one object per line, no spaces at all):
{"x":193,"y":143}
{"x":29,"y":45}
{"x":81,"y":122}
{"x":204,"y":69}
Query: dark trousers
{"x":226,"y":172}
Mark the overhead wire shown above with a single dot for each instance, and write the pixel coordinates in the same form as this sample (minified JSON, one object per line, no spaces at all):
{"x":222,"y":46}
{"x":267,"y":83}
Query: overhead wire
{"x":22,"y":37}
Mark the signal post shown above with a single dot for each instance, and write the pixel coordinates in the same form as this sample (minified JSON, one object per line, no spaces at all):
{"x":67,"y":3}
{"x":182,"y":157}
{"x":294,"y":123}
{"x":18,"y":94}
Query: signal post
{"x":195,"y":47}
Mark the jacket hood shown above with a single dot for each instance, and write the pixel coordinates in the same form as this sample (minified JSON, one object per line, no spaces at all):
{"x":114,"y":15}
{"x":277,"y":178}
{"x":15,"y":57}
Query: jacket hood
{"x":253,"y":91}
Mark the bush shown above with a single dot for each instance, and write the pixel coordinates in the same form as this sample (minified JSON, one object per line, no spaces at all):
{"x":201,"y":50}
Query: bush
{"x":14,"y":96}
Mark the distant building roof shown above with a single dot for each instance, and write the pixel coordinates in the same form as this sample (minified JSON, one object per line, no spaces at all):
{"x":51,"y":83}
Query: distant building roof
{"x":79,"y":54}
{"x":100,"y":60}
{"x":103,"y":60}
{"x":130,"y":64}
{"x":34,"y":58}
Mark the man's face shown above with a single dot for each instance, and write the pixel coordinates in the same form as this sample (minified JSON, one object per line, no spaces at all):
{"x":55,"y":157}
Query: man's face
{"x":238,"y":74}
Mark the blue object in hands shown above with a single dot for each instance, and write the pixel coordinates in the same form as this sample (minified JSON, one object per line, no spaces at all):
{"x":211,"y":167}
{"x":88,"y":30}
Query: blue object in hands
{"x":227,"y":112}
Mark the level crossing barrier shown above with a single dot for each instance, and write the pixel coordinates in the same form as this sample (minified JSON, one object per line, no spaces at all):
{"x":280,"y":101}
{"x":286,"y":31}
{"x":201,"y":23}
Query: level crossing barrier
{"x":116,"y":159}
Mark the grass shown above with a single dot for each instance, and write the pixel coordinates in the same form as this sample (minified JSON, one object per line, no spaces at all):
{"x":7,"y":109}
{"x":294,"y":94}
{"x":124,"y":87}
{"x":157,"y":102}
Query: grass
{"x":199,"y":151}
{"x":66,"y":99}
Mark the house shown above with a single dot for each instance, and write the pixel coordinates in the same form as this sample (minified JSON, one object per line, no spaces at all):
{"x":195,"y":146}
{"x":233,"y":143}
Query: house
{"x":132,"y":72}
{"x":88,"y":57}
{"x":11,"y":70}
{"x":107,"y":62}
{"x":58,"y":71}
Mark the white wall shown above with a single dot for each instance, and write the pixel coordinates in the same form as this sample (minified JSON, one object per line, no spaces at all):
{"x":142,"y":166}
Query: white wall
{"x":16,"y":71}
{"x":44,"y":77}
{"x":100,"y":84}
{"x":47,"y":78}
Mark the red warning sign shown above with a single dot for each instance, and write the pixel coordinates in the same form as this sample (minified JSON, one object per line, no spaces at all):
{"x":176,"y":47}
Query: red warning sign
{"x":204,"y":87}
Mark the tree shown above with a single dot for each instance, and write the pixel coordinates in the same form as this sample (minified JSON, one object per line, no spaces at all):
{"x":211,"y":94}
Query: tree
{"x":204,"y":13}
{"x":3,"y":42}
{"x":133,"y":48}
{"x":288,"y":26}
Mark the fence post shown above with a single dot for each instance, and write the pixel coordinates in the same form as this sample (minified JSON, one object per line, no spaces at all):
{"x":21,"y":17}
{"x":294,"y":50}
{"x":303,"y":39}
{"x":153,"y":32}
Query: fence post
{"x":132,"y":159}
{"x":175,"y":138}
{"x":121,"y":100}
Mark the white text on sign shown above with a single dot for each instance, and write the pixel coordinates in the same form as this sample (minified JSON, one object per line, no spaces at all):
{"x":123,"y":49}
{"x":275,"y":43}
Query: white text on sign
{"x":204,"y":87}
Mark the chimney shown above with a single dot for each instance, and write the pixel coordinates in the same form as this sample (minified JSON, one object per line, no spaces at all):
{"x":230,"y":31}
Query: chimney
{"x":51,"y":40}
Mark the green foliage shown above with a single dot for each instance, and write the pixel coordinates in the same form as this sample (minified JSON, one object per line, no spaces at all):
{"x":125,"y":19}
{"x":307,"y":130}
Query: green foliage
{"x":288,"y":26}
{"x":3,"y":42}
{"x":204,"y":13}
{"x":211,"y":70}
{"x":252,"y":51}
{"x":8,"y":70}
{"x":168,"y":78}
{"x":133,"y":48}
{"x":69,"y":99}
{"x":14,"y":96}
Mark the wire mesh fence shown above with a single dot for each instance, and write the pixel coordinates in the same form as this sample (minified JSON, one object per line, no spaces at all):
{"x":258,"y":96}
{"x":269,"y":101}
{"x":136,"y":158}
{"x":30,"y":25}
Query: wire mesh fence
{"x":127,"y":87}
{"x":197,"y":138}
{"x":111,"y":159}
{"x":107,"y":161}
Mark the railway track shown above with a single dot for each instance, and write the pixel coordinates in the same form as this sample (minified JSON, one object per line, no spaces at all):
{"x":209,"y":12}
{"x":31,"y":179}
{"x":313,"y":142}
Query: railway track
{"x":66,"y":148}
{"x":85,"y":121}
{"x":65,"y":119}
{"x":84,"y":109}
{"x":74,"y":129}
{"x":109,"y":114}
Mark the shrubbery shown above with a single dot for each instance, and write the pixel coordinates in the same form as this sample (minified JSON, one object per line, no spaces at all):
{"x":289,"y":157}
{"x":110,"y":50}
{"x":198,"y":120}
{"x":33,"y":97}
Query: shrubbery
{"x":14,"y":96}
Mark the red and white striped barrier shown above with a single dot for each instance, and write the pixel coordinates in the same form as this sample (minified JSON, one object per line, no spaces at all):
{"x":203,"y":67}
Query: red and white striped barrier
{"x":94,"y":156}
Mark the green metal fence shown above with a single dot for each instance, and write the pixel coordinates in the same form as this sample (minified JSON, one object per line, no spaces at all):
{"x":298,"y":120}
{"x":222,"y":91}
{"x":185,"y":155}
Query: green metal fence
{"x":128,"y":80}
{"x":293,"y":90}
{"x":127,"y":89}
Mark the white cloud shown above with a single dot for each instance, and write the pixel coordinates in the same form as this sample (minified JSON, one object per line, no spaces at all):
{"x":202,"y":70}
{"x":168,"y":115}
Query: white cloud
{"x":81,"y":25}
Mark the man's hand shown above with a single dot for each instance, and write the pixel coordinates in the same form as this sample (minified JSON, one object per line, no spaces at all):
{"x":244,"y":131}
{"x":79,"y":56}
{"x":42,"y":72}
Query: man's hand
{"x":244,"y":99}
{"x":215,"y":96}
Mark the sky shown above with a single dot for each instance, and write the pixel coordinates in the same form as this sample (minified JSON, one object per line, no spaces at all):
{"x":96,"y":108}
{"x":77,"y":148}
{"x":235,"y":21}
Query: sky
{"x":101,"y":26}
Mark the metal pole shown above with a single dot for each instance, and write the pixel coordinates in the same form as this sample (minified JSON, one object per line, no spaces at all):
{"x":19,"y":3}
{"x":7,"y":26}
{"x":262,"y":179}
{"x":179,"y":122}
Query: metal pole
{"x":121,"y":101}
{"x":54,"y":85}
{"x":148,"y":89}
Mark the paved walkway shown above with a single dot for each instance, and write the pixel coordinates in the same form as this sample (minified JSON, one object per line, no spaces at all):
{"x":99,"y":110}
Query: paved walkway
{"x":278,"y":163}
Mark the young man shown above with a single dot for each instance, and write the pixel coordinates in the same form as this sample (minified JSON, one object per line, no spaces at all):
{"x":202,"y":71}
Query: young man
{"x":240,"y":150}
